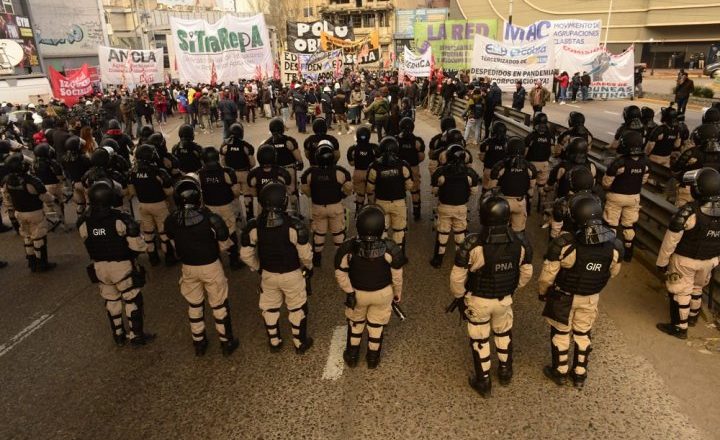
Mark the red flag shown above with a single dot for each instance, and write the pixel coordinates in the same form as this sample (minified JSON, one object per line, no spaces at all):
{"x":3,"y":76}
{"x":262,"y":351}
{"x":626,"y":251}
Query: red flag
{"x":276,"y":72}
{"x":70,"y":88}
{"x":299,"y":70}
{"x":213,"y":74}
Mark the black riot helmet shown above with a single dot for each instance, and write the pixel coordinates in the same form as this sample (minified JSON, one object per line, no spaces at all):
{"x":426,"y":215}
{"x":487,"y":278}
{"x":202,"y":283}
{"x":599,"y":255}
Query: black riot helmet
{"x":101,"y":196}
{"x":407,"y":125}
{"x":370,"y":223}
{"x":668,"y":115}
{"x":5,"y":149}
{"x":325,"y":156}
{"x":146,"y":131}
{"x":15,"y":163}
{"x":188,"y":193}
{"x":540,"y":123}
{"x":362,"y":135}
{"x":447,"y":123}
{"x":711,"y":116}
{"x":456,"y":155}
{"x":157,"y":140}
{"x":237,"y":131}
{"x":576,"y":119}
{"x":647,"y":115}
{"x":146,"y":153}
{"x":495,"y":219}
{"x":580,"y":179}
{"x":632,"y":117}
{"x":42,"y":151}
{"x":704,"y":184}
{"x":266,"y":155}
{"x":515,"y":146}
{"x":705,"y":137}
{"x":210,"y":156}
{"x":277,"y":126}
{"x":631,"y":144}
{"x":100,"y":158}
{"x":587,"y":213}
{"x":319,"y":126}
{"x":186,"y":132}
{"x":498,"y":130}
{"x":273,"y":197}
{"x":113,"y":124}
{"x":455,"y":136}
{"x":73,"y":144}
{"x":577,"y":151}
{"x":389,"y":148}
{"x":110,"y":142}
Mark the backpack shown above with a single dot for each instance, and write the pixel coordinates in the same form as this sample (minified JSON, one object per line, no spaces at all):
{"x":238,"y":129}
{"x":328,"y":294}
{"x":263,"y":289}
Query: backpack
{"x":477,"y":110}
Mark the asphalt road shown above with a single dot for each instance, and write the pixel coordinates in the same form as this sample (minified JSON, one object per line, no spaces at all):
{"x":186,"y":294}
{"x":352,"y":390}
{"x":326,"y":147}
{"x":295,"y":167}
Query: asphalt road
{"x":63,"y":378}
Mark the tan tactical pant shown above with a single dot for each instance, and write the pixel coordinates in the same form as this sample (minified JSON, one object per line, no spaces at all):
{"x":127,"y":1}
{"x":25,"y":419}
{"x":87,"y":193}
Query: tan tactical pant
{"x":486,"y":178}
{"x":451,"y":218}
{"x":277,"y":288}
{"x":683,"y":196}
{"x":33,"y":230}
{"x":324,"y":218}
{"x":374,"y":309}
{"x":518,"y":213}
{"x":152,"y":220}
{"x":116,"y":288}
{"x":395,"y":218}
{"x":685,"y":280}
{"x":484,"y":314}
{"x":543,"y":172}
{"x":583,"y":313}
{"x":197,"y":283}
{"x":79,"y":197}
{"x":416,"y":180}
{"x":660,"y":160}
{"x":622,"y":209}
{"x":359,"y":179}
{"x":227,"y":214}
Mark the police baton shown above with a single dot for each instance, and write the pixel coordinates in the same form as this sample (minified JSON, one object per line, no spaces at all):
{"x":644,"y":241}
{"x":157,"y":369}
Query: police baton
{"x":398,"y":311}
{"x":308,"y":281}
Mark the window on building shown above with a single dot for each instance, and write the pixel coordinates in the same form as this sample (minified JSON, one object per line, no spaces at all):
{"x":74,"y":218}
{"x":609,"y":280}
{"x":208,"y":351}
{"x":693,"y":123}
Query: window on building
{"x":356,"y":20}
{"x":368,"y":20}
{"x":307,"y":12}
{"x":340,"y":2}
{"x":343,"y":20}
{"x":383,"y":19}
{"x":358,"y":3}
{"x":8,"y":7}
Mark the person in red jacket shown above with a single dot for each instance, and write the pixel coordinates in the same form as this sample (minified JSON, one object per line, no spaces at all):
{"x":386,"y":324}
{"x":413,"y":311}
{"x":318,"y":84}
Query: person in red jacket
{"x":563,"y":82}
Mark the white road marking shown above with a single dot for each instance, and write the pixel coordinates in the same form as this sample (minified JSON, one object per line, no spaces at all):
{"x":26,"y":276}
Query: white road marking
{"x":335,"y":364}
{"x":612,"y":113}
{"x":573,"y":105}
{"x":611,"y":132}
{"x":24,"y":333}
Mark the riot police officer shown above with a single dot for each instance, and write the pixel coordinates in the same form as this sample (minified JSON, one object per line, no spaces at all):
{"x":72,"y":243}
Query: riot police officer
{"x":326,"y":184}
{"x":489,"y":267}
{"x":167,"y":161}
{"x":493,"y":150}
{"x":239,"y":155}
{"x":647,"y":117}
{"x":539,"y":146}
{"x":388,"y":179}
{"x":438,"y":143}
{"x":664,"y":139}
{"x":623,"y":181}
{"x":100,"y":169}
{"x":360,"y":156}
{"x":117,"y":161}
{"x":186,"y":151}
{"x":24,"y":195}
{"x":199,"y":235}
{"x":515,"y":177}
{"x":412,"y":151}
{"x":453,"y":137}
{"x":577,"y":267}
{"x":145,"y":132}
{"x":268,"y":171}
{"x":320,"y":134}
{"x":576,"y":128}
{"x":48,"y":170}
{"x":277,"y":245}
{"x":288,"y":157}
{"x":691,"y":250}
{"x":705,"y":153}
{"x":152,"y":185}
{"x":369,"y":271}
{"x":575,"y":156}
{"x":5,"y":150}
{"x":453,"y":184}
{"x":123,"y":143}
{"x":632,"y":121}
{"x":581,"y":183}
{"x":75,"y":164}
{"x":219,"y":189}
{"x":112,"y":240}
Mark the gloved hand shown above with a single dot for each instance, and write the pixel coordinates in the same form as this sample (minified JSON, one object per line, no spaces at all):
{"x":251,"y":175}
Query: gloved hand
{"x":299,"y":165}
{"x":662,"y":269}
{"x":308,"y":273}
{"x":350,"y":300}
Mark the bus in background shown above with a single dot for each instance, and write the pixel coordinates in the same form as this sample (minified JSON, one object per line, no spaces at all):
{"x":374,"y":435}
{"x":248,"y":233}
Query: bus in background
{"x":712,"y":62}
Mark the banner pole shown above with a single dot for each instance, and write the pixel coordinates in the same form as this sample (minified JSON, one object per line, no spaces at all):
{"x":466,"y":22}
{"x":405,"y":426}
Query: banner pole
{"x":607,"y":25}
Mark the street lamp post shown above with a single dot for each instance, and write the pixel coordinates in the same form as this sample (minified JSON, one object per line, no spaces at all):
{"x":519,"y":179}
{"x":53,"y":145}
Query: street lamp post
{"x":652,"y":64}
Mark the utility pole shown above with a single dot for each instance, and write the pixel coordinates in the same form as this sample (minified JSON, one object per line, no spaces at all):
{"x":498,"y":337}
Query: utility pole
{"x":607,"y":25}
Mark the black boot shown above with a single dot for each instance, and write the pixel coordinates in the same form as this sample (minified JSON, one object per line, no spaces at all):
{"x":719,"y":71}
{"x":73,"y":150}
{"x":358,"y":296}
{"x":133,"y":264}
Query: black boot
{"x":629,"y":248}
{"x":120,"y":339}
{"x":200,"y":346}
{"x":234,"y":252}
{"x":437,"y":258}
{"x":317,"y":259}
{"x":372,"y":357}
{"x":231,"y":343}
{"x":551,"y":371}
{"x":154,"y":258}
{"x":692,"y":319}
{"x":505,"y":369}
{"x":305,"y":341}
{"x":481,"y":382}
{"x":579,"y":379}
{"x":672,"y":330}
{"x":44,"y":265}
{"x":137,"y":324}
{"x":170,"y":257}
{"x":674,"y":310}
{"x":32,"y":262}
{"x":352,"y":352}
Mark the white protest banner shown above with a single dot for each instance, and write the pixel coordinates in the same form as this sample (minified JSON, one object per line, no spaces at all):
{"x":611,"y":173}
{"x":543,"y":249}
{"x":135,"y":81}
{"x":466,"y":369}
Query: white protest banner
{"x":612,"y":76}
{"x":232,"y":48}
{"x":572,"y":32}
{"x":127,"y":66}
{"x":506,"y":64}
{"x":416,"y":66}
{"x":316,"y":66}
